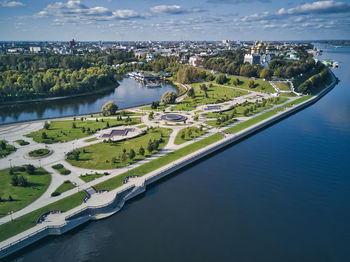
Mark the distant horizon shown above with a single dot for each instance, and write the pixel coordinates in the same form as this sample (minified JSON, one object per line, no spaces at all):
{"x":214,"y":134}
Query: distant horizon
{"x":187,"y":40}
{"x":106,"y":20}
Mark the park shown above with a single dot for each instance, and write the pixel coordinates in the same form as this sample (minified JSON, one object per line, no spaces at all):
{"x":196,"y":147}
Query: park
{"x":61,"y":164}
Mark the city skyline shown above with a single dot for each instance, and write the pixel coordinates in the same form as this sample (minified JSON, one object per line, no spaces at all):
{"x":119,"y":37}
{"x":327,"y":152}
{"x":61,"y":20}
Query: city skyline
{"x":174,"y":20}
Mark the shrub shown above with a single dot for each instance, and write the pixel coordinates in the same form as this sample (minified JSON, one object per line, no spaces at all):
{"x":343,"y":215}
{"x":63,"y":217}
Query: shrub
{"x":57,"y":166}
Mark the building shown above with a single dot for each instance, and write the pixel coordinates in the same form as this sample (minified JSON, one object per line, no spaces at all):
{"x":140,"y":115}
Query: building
{"x":259,"y":55}
{"x":35,"y":49}
{"x":72,"y":43}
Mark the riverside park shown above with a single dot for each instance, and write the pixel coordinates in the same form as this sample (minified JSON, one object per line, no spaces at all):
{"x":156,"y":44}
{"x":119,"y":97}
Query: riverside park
{"x":60,"y":173}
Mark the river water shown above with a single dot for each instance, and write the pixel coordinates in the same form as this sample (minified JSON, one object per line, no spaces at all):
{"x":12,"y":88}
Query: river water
{"x":128,"y":94}
{"x":280,"y":195}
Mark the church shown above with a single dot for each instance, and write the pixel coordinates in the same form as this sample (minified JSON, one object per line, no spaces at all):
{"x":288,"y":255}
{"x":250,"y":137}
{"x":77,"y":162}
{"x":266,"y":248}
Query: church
{"x":259,"y":55}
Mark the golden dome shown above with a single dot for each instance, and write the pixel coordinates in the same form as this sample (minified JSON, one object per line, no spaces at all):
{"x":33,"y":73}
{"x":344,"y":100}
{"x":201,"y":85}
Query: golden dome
{"x":267,"y":47}
{"x":261,"y":44}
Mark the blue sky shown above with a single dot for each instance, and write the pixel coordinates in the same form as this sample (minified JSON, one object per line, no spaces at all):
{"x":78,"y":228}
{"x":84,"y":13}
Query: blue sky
{"x":121,"y":20}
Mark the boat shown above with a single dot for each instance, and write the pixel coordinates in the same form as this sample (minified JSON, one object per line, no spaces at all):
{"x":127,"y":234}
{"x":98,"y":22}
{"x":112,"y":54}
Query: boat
{"x":153,"y":85}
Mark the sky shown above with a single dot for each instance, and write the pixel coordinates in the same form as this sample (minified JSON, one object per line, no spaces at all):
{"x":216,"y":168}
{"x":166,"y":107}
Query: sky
{"x":136,"y":20}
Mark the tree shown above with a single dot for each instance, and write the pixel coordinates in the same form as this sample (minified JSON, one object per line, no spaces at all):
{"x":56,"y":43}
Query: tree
{"x":266,"y":73}
{"x":141,"y":151}
{"x":191,"y":93}
{"x":14,"y":180}
{"x":150,"y":146}
{"x":73,"y":125}
{"x":46,"y":125}
{"x":203,"y":87}
{"x":251,"y":84}
{"x":2,"y":145}
{"x":22,"y":181}
{"x":109,"y":108}
{"x":122,"y":157}
{"x":30,"y":169}
{"x":107,"y":124}
{"x":132,"y":154}
{"x":43,"y":135}
{"x":221,"y":79}
{"x":168,"y":97}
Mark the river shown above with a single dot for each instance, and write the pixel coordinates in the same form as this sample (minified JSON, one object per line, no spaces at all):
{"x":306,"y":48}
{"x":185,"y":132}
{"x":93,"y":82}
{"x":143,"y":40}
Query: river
{"x":128,"y":94}
{"x":280,"y":195}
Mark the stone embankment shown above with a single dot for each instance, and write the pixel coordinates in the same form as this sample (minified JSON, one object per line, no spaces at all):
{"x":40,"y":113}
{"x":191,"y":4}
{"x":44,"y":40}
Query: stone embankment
{"x":105,"y":204}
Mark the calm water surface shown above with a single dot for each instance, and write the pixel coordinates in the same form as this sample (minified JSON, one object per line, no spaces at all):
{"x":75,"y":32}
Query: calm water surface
{"x":129,"y":93}
{"x":280,"y":195}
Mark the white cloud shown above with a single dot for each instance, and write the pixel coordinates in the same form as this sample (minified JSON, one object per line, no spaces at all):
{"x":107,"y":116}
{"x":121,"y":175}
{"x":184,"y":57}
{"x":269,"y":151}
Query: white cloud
{"x":319,"y":8}
{"x":75,"y":11}
{"x":11,"y":3}
{"x":173,"y":10}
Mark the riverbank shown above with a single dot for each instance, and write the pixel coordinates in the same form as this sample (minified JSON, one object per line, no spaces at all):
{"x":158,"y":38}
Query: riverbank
{"x":141,"y":183}
{"x":95,"y":92}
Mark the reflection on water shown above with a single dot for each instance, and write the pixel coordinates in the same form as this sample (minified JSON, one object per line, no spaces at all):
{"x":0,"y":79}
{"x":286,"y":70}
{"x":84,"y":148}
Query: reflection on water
{"x":129,"y":93}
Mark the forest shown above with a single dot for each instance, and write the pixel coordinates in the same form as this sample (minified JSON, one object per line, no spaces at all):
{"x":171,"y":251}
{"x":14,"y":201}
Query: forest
{"x":24,"y":77}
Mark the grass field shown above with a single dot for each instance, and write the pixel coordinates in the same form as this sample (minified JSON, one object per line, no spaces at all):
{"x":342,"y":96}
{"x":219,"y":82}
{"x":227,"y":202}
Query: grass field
{"x":216,"y":94}
{"x":123,"y":114}
{"x":106,"y":155}
{"x":63,"y":131}
{"x":263,"y":116}
{"x":39,"y":152}
{"x":29,"y":220}
{"x":187,"y":134}
{"x":144,"y":169}
{"x":22,"y":196}
{"x":240,"y":109}
{"x":89,"y":177}
{"x":22,"y":142}
{"x":214,"y":123}
{"x":61,"y":169}
{"x":283,"y":86}
{"x":90,"y":139}
{"x":260,"y":85}
{"x":6,"y":149}
{"x":66,"y":185}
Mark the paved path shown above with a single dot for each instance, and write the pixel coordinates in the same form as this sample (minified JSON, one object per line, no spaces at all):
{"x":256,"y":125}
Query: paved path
{"x":18,"y":131}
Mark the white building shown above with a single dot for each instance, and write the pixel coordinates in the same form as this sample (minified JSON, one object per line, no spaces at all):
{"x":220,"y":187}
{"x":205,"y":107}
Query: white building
{"x":259,"y":55}
{"x":35,"y":49}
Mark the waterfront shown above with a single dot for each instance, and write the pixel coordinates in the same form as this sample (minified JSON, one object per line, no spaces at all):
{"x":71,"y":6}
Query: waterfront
{"x":279,"y":195}
{"x":129,"y":93}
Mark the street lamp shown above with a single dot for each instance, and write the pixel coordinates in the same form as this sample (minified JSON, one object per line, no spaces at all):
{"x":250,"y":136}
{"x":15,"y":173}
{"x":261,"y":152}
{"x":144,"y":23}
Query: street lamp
{"x":39,"y":162}
{"x":10,"y":162}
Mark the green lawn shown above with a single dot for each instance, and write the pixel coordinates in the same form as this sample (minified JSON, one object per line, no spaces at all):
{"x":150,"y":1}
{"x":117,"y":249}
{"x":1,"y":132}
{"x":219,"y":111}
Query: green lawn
{"x":106,"y":155}
{"x":142,"y":126}
{"x":61,"y":169}
{"x":216,"y":94}
{"x":89,"y":177}
{"x":146,"y":168}
{"x":260,"y":85}
{"x":257,"y":108}
{"x":259,"y":118}
{"x":22,"y":142}
{"x":214,"y":123}
{"x":22,"y":196}
{"x":63,"y":131}
{"x":283,"y":86}
{"x":29,"y":220}
{"x":66,"y":185}
{"x":6,"y":149}
{"x":188,"y":134}
{"x":90,"y":139}
{"x":39,"y":152}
